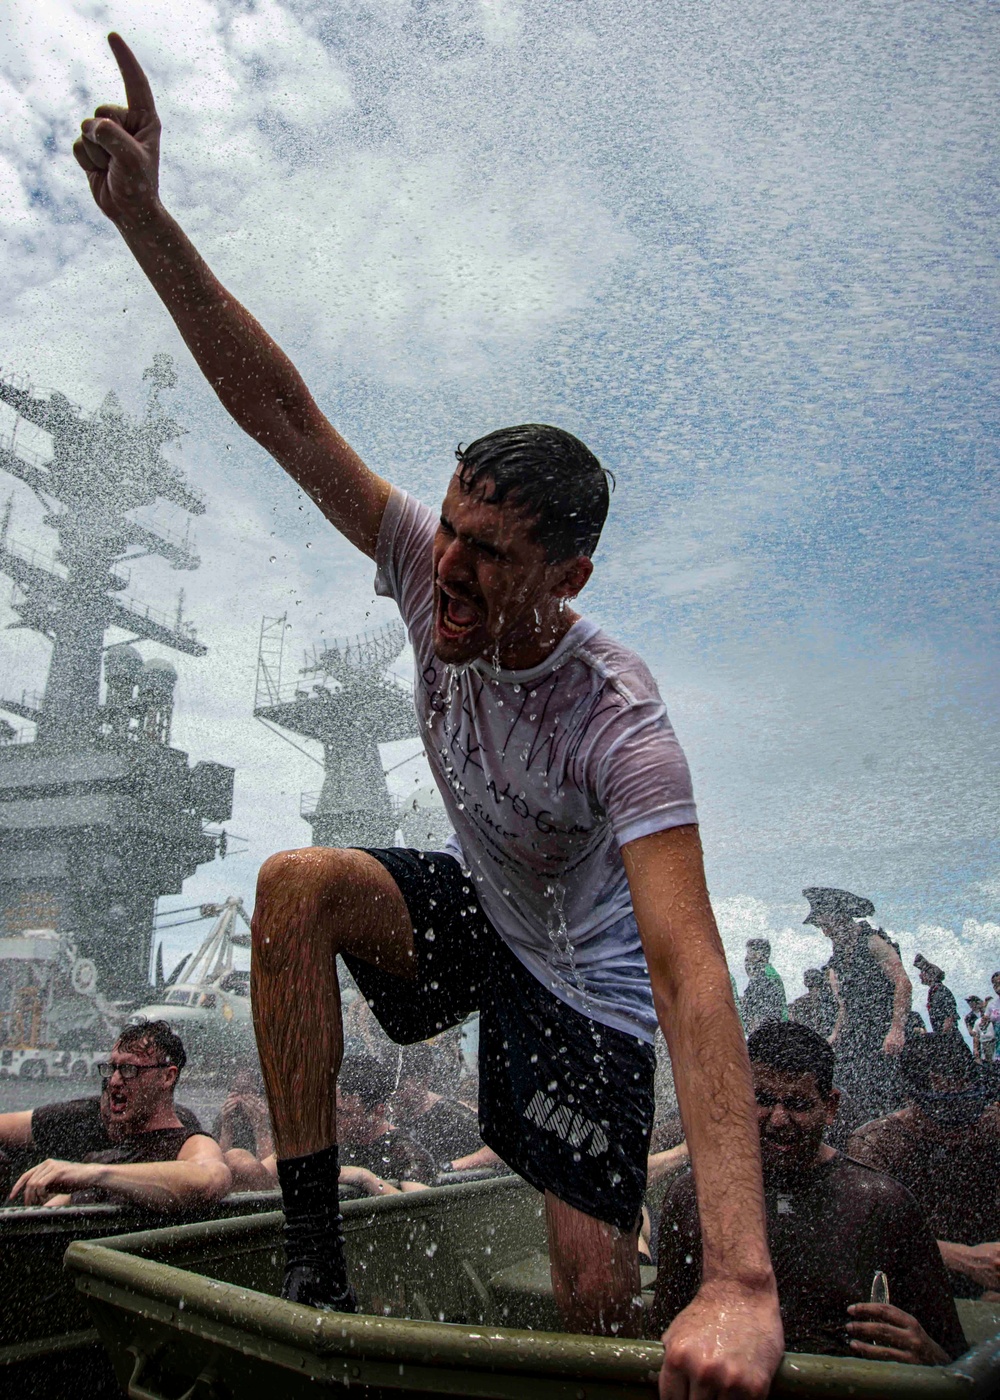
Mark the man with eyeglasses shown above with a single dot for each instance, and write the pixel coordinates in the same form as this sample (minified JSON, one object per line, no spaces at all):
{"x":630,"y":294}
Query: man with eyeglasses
{"x":130,"y":1146}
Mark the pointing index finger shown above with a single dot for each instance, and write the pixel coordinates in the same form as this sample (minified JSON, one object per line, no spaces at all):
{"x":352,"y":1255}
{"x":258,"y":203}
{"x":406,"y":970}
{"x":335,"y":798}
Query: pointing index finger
{"x":137,"y":89}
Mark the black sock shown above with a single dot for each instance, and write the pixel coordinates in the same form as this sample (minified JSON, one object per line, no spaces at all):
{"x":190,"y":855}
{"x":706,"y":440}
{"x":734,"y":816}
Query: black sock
{"x":315,"y":1268}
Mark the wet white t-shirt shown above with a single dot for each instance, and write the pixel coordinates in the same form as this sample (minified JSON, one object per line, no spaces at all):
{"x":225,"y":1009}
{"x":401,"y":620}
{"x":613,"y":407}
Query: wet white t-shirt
{"x":545,"y":774}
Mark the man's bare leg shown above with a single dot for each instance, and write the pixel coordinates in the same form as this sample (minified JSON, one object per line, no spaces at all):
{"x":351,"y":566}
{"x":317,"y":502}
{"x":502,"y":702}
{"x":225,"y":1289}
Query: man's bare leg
{"x":595,"y":1272}
{"x":311,"y":905}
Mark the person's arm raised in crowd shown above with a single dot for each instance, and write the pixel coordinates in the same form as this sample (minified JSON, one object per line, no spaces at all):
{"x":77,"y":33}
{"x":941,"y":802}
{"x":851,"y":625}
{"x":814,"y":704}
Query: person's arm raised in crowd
{"x":15,"y":1129}
{"x":119,"y":150}
{"x":840,"y":1008}
{"x":902,"y":991}
{"x":978,"y":1262}
{"x":880,"y":1332}
{"x":198,"y":1176}
{"x":729,"y":1340}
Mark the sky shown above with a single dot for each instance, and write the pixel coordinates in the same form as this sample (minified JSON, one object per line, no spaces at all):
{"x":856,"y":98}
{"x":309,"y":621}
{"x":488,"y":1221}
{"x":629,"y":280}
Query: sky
{"x":745,"y":251}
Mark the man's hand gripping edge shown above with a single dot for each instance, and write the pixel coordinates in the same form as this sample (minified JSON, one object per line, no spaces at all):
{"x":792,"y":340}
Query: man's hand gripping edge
{"x":727,"y":1344}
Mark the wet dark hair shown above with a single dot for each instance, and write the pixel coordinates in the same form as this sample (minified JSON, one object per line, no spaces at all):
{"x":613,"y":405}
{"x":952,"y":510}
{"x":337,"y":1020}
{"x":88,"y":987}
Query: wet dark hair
{"x":551,"y":475}
{"x":155,"y":1035}
{"x":794,"y":1049}
{"x":371,"y":1079}
{"x":944,"y":1053}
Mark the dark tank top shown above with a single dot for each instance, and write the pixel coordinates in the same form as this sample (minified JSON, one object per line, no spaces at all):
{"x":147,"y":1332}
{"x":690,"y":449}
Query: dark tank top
{"x":160,"y":1145}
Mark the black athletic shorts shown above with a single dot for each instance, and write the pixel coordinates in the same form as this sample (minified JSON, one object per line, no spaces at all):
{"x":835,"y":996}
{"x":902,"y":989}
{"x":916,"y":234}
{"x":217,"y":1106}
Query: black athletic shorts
{"x":563,"y":1100}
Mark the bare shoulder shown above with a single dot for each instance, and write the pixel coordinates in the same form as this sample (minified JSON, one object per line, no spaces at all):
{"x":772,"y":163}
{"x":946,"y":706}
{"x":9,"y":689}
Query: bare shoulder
{"x":200,"y":1147}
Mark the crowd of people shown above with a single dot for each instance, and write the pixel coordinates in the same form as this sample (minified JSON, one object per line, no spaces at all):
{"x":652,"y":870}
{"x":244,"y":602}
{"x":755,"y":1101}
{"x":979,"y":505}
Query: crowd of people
{"x":877,"y":1138}
{"x":405,"y":1116}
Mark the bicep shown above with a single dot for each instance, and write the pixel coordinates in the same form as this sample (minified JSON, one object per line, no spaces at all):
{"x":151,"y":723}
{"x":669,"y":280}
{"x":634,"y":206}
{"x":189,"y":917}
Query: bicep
{"x":202,"y":1150}
{"x":666,"y":876}
{"x":888,"y":959}
{"x":15,"y":1129}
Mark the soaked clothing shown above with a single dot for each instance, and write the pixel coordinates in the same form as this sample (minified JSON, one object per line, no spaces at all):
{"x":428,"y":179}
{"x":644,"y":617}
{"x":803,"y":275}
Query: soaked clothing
{"x":868,"y":1075}
{"x":74,"y":1131}
{"x":828,"y":1233}
{"x":395,"y":1156}
{"x":941,"y":1008}
{"x":446,"y":1131}
{"x":564,"y":1100}
{"x":545,"y":774}
{"x":159,"y":1145}
{"x":763,"y":1000}
{"x":952,"y":1174}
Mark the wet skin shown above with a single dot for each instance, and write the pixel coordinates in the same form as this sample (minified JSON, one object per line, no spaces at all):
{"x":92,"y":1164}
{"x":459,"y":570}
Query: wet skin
{"x":792,"y":1116}
{"x":140,"y":1104}
{"x":496,"y":595}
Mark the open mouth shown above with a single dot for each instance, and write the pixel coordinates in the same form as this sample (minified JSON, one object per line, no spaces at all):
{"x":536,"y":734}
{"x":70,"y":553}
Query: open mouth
{"x":117,"y":1100}
{"x":456,"y":617}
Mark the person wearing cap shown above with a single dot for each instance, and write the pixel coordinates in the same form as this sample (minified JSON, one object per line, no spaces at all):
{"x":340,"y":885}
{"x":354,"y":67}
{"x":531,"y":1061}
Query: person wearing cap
{"x":942,"y":1009}
{"x":942,"y":1145}
{"x":872,"y":995}
{"x":991,"y":1011}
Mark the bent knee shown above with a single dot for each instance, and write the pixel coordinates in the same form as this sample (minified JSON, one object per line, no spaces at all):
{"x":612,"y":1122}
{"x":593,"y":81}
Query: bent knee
{"x":302,"y":873}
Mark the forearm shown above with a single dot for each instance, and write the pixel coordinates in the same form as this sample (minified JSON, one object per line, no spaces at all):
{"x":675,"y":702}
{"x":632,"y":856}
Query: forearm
{"x":715,"y":1095}
{"x":955,"y":1256}
{"x":978,"y":1262}
{"x":902,"y":995}
{"x":250,"y":373}
{"x":166,"y":1186}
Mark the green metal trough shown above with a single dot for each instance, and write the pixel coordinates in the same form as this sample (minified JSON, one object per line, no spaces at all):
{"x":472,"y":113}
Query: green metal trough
{"x":457,"y":1302}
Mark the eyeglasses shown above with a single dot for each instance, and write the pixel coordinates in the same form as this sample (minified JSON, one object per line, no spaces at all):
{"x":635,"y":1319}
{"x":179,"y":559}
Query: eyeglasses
{"x":106,"y":1069}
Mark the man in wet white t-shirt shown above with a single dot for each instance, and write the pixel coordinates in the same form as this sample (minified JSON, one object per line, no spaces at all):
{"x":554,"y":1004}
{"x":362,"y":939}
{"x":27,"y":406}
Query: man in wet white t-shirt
{"x":571,"y":907}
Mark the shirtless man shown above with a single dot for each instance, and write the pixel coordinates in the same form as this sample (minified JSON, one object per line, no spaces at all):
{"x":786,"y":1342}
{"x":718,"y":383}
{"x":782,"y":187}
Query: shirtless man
{"x":572,"y":911}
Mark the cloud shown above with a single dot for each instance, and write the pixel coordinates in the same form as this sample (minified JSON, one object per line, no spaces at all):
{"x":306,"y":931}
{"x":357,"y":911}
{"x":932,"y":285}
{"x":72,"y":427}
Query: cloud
{"x":752,"y":264}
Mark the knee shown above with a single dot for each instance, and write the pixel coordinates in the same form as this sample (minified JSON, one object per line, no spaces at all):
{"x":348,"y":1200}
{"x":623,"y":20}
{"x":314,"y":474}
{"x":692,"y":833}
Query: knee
{"x":291,"y":876}
{"x":295,"y":889}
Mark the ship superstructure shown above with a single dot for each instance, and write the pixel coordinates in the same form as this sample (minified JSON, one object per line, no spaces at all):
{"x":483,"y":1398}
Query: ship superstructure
{"x":342,"y":697}
{"x":99,"y":815}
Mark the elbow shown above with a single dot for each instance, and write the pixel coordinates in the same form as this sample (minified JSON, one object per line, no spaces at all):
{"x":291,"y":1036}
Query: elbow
{"x":218,"y":1184}
{"x":206,"y":1186}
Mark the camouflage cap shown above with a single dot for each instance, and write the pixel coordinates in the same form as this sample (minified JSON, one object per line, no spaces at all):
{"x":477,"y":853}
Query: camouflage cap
{"x":827,"y":903}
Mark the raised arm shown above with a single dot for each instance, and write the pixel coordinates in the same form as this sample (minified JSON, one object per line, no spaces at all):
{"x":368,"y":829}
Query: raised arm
{"x":119,"y":148}
{"x":902,"y":991}
{"x":729,"y":1339}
